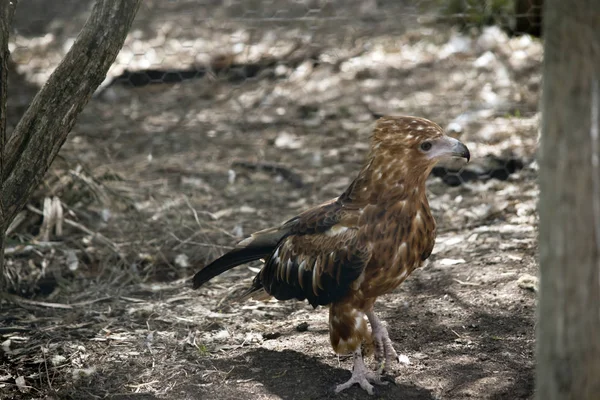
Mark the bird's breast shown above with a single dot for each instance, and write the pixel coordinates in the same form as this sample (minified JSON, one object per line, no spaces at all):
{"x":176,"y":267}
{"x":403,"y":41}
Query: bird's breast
{"x":401,"y":241}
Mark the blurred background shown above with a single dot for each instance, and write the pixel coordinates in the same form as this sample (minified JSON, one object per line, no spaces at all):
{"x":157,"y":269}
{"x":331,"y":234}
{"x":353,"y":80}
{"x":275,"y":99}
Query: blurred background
{"x":223,"y":117}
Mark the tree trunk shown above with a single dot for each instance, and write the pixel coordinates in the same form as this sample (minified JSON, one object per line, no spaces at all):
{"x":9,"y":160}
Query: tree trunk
{"x":7,"y":9}
{"x":568,"y":331}
{"x":45,"y":125}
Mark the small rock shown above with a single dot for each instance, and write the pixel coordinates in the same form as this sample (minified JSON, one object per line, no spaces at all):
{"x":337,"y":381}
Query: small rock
{"x":287,"y":140}
{"x":247,"y":209}
{"x":486,"y":61}
{"x":528,"y":282}
{"x":72,"y":260}
{"x":231,"y":175}
{"x":454,"y":127}
{"x":458,"y":44}
{"x":303,"y":327}
{"x":6,"y":346}
{"x":451,"y":261}
{"x":182,"y":260}
{"x":270,"y":336}
{"x":403,"y":359}
{"x":491,"y":37}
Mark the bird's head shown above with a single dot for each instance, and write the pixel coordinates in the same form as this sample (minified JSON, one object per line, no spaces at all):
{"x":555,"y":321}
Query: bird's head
{"x":412,"y":146}
{"x":404,"y":150}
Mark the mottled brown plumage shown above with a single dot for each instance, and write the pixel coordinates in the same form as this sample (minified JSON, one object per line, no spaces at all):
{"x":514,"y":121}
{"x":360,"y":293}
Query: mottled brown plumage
{"x":350,"y":250}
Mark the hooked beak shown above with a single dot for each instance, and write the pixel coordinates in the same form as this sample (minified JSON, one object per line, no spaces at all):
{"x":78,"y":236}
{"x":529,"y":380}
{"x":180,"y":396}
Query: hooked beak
{"x":459,"y":149}
{"x":450,"y":147}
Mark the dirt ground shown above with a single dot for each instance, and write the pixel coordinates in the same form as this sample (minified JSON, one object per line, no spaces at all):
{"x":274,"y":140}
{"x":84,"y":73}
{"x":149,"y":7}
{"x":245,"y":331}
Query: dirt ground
{"x":157,"y":180}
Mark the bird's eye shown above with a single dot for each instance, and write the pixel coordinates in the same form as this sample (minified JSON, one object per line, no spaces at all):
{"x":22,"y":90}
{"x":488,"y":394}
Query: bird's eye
{"x":426,"y":146}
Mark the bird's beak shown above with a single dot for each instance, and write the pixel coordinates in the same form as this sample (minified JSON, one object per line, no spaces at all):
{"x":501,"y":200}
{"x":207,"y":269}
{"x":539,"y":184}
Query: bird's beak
{"x":459,"y":149}
{"x":450,"y":147}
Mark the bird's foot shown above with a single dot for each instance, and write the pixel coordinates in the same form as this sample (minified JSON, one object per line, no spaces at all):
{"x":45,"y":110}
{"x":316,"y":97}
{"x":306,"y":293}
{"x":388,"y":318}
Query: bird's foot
{"x":362,"y":376}
{"x":385,"y":354}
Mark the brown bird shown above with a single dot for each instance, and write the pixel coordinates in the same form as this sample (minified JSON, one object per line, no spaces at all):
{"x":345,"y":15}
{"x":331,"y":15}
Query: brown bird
{"x":348,"y":251}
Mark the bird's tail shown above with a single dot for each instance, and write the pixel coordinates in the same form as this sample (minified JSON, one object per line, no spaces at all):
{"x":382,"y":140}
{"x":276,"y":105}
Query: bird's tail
{"x":259,"y":245}
{"x":228,"y":261}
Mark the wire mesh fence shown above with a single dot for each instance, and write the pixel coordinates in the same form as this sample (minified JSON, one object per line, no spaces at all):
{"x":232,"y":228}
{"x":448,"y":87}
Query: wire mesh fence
{"x":220,"y":118}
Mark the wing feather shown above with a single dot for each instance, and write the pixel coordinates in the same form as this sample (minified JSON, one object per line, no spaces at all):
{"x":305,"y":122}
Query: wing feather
{"x":319,"y":268}
{"x":317,"y":257}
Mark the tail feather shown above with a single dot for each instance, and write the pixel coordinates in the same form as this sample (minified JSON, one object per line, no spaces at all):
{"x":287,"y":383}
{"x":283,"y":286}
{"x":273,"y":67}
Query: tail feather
{"x":259,"y":245}
{"x":228,"y":261}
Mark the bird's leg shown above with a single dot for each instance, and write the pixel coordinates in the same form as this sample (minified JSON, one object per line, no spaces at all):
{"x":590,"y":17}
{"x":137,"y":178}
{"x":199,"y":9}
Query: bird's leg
{"x":361,"y":375}
{"x":384,"y":350}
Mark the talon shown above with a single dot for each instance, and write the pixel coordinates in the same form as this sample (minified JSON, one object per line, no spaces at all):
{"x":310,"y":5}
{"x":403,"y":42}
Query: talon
{"x":363,"y":384}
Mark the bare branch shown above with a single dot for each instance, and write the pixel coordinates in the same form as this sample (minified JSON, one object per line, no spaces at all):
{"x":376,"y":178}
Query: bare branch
{"x":45,"y":125}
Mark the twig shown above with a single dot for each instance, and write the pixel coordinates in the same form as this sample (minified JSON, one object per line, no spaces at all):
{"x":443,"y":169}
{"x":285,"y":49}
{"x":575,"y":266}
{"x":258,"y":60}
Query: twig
{"x":141,"y":385}
{"x":20,"y":300}
{"x":211,"y":245}
{"x":46,"y":367}
{"x":187,"y":202}
{"x":16,"y":222}
{"x":200,"y":244}
{"x":285,"y":172}
{"x":178,"y":298}
{"x":88,"y":302}
{"x":185,"y":241}
{"x":11,"y":329}
{"x":26,"y":249}
{"x":132,"y":299}
{"x":466,"y":283}
{"x":456,"y":333}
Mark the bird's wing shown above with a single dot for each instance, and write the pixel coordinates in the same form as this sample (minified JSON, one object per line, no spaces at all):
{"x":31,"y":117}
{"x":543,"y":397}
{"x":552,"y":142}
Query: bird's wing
{"x":320,"y":258}
{"x":260,"y":245}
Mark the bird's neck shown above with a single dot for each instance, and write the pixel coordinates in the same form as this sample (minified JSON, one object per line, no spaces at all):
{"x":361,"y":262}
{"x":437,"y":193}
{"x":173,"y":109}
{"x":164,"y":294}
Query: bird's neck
{"x":384,"y":183}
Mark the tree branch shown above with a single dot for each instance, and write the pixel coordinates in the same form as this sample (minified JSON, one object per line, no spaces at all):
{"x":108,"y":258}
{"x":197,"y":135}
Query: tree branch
{"x":45,"y":125}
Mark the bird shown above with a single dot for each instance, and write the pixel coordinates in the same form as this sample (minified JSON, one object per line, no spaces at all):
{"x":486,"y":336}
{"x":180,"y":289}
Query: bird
{"x":345,"y":253}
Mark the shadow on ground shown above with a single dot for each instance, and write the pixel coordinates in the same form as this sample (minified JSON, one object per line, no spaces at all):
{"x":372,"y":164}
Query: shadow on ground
{"x":293,"y":375}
